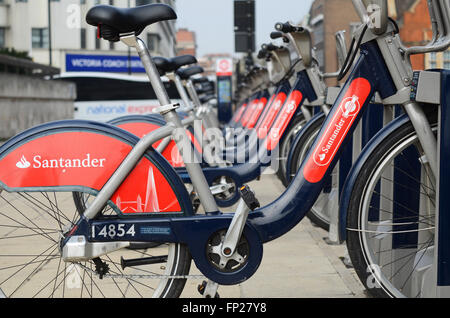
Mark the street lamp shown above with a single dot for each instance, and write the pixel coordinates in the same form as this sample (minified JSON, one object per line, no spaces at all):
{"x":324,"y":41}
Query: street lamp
{"x":129,"y":51}
{"x":50,"y":33}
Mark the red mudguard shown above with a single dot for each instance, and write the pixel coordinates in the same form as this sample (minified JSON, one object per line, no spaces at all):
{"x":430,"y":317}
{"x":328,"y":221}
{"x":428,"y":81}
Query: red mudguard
{"x":83,"y":160}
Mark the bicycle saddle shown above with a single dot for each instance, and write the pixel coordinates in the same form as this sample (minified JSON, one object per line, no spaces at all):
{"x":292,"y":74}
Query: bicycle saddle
{"x":113,"y":21}
{"x":162,"y":64}
{"x":182,"y":60}
{"x":207,"y":98}
{"x":171,"y":65}
{"x":200,"y":80}
{"x":185,"y":73}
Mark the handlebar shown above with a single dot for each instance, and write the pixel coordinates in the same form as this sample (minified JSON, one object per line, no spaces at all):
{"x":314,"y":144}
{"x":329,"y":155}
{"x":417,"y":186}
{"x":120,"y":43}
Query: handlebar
{"x":262,"y":54}
{"x":341,"y":48}
{"x":440,"y":21}
{"x":287,"y":27}
{"x":276,"y":35}
{"x":374,"y":14}
{"x":270,"y":47}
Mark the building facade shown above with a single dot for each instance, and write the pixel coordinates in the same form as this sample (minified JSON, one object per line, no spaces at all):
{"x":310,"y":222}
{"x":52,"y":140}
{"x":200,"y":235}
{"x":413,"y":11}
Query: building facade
{"x":24,"y":26}
{"x":415,"y":30}
{"x":326,"y":17}
{"x":186,"y":42}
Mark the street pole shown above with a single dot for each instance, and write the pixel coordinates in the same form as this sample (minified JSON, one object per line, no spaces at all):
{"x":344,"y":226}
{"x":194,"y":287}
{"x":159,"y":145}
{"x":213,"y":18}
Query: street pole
{"x":50,"y":33}
{"x":129,"y":51}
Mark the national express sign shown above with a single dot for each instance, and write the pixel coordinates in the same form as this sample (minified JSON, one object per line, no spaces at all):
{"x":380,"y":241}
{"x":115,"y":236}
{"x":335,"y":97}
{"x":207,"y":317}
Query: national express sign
{"x":103,"y":63}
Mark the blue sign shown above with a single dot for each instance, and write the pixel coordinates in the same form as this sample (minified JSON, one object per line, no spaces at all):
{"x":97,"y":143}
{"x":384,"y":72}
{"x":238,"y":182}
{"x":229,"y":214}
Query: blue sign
{"x":103,"y":63}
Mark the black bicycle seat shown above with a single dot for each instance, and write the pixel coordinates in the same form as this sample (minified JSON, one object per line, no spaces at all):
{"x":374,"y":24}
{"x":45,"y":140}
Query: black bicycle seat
{"x":162,"y":64}
{"x":185,"y":73}
{"x":200,"y":80}
{"x":171,"y":65}
{"x":113,"y":21}
{"x":182,"y":60}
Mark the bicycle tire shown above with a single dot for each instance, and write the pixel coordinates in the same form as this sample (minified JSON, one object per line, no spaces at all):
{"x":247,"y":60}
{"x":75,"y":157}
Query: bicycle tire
{"x":32,"y":225}
{"x":285,"y":145}
{"x":374,"y":223}
{"x":299,"y":153}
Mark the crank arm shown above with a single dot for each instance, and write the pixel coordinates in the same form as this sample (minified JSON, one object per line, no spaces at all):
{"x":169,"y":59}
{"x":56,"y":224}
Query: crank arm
{"x":247,"y":203}
{"x":219,"y":188}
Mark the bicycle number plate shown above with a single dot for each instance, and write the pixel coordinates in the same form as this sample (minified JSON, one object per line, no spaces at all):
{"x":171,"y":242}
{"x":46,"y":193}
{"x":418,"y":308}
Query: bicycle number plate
{"x":113,"y":231}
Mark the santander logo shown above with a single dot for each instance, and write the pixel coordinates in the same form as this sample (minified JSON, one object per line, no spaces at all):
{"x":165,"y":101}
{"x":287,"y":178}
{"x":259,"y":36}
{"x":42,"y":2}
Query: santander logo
{"x":38,"y":162}
{"x":337,"y":128}
{"x":23,"y":163}
{"x":349,"y":107}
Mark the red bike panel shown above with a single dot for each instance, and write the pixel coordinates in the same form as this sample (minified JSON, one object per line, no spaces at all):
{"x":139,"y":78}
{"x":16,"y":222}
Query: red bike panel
{"x":266,"y":110}
{"x":337,"y":129}
{"x":171,"y":152}
{"x":86,"y":159}
{"x":248,"y":114}
{"x":283,"y":120}
{"x":256,"y":113}
{"x":263,"y":129}
{"x":238,"y":114}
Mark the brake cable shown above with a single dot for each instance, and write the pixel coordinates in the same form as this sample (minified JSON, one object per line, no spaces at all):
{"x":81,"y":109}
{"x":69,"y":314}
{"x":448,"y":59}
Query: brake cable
{"x":352,"y":52}
{"x":349,"y":62}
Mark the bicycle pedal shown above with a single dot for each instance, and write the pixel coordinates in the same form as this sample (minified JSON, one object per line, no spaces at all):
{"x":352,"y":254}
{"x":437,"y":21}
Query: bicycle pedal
{"x":202,"y":287}
{"x":249,"y":197}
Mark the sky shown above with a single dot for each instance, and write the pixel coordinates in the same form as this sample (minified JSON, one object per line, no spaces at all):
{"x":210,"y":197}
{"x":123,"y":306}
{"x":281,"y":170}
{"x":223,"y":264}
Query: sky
{"x":213,"y":21}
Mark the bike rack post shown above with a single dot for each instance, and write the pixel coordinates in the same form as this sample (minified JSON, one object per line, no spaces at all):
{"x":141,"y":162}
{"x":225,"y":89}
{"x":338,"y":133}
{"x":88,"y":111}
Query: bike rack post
{"x":442,"y":237}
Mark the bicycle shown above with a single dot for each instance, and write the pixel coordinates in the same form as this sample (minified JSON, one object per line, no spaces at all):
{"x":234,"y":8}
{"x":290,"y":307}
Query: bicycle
{"x":226,"y":247}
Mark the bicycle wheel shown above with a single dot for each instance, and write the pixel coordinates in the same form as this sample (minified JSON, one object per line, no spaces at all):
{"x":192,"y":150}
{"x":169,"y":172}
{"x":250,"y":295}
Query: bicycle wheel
{"x":285,"y":146}
{"x":327,"y":200}
{"x":32,"y":225}
{"x":390,"y":220}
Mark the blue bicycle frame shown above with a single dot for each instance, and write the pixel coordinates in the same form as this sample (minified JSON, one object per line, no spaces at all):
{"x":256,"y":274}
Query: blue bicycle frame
{"x":369,"y":75}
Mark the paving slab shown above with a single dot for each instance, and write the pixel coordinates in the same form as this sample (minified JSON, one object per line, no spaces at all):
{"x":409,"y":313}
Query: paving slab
{"x":299,"y":264}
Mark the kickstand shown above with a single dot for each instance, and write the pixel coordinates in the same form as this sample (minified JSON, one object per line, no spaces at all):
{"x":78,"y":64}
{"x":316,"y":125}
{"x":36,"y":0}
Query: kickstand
{"x":208,"y":289}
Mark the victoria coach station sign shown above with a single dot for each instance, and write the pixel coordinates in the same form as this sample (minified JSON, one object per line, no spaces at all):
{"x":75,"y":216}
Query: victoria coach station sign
{"x":103,"y":63}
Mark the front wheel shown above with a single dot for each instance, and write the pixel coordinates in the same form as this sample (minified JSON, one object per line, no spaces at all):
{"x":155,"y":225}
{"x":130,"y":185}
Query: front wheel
{"x":285,"y":147}
{"x":391,"y":217}
{"x":32,"y":225}
{"x":320,"y":213}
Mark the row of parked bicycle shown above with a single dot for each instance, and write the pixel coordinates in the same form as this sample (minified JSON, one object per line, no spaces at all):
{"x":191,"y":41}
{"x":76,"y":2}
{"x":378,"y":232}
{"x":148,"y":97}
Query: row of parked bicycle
{"x":116,"y":207}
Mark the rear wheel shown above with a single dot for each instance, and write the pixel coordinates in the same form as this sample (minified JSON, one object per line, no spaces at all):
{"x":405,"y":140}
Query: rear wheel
{"x":32,"y":225}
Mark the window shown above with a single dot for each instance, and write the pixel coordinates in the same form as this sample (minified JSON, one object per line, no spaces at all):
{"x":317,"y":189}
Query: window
{"x":143,"y":2}
{"x":446,"y":60}
{"x":2,"y":37}
{"x":153,"y":42}
{"x":83,"y":38}
{"x":319,"y":33}
{"x":432,"y":62}
{"x":39,"y":38}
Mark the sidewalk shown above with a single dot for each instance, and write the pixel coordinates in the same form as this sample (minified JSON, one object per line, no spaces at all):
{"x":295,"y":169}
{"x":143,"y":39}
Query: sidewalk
{"x":298,"y":265}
